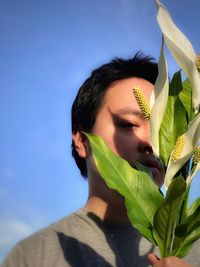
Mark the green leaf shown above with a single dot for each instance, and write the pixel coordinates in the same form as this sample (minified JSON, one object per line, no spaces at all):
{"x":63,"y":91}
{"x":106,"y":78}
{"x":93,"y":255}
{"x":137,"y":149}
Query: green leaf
{"x":184,"y":249}
{"x":166,"y":218}
{"x":187,"y":234}
{"x":195,"y":205}
{"x":142,"y":196}
{"x":176,"y":84}
{"x":184,"y":214}
{"x":186,"y":97}
{"x":175,"y":120}
{"x":188,"y":211}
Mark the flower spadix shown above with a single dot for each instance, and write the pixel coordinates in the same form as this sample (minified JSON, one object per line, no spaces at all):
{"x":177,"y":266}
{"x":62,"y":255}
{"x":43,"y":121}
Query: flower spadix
{"x":196,"y":155}
{"x":142,"y":102}
{"x":178,"y":148}
{"x":183,"y":150}
{"x":195,"y":163}
{"x":181,"y":49}
{"x":197,"y":62}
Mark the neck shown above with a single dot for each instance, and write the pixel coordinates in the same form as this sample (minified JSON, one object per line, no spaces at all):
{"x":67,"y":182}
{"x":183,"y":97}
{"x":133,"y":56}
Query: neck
{"x":113,"y":211}
{"x":104,"y":202}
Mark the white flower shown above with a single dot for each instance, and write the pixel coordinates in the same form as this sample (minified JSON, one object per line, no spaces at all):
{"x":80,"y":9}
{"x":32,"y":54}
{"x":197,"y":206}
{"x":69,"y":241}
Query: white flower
{"x":159,"y":101}
{"x":192,"y":138}
{"x":181,"y":49}
{"x":196,"y":164}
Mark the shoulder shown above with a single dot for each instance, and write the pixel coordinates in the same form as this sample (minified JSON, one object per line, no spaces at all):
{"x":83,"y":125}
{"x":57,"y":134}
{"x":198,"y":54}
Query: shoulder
{"x":34,"y":249}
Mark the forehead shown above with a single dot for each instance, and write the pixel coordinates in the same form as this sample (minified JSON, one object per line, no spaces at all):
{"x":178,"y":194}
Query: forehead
{"x":120,"y":93}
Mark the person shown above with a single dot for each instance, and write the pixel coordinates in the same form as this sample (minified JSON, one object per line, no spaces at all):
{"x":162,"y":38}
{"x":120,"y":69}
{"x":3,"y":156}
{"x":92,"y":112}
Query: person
{"x":100,"y":234}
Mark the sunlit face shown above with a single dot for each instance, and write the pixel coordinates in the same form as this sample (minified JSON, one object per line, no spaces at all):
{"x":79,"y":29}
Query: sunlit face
{"x":123,"y":127}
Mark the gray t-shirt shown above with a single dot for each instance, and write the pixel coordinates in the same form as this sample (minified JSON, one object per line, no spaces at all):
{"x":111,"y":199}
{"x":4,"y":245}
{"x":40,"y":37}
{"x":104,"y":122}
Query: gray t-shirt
{"x":82,"y":239}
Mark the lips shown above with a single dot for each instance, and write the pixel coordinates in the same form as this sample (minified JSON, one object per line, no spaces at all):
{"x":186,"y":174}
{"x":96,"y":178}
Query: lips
{"x":156,"y":168}
{"x":152,"y":163}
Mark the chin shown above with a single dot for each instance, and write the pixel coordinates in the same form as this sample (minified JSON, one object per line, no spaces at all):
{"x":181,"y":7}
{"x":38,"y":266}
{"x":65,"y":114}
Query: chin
{"x":158,"y":179}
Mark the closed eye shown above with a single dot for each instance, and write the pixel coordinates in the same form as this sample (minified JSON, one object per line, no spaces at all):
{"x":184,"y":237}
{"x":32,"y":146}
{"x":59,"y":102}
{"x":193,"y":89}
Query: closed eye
{"x":127,"y":125}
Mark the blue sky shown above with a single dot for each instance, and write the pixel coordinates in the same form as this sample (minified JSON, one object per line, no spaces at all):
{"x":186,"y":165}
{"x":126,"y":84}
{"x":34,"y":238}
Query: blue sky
{"x":47,"y":50}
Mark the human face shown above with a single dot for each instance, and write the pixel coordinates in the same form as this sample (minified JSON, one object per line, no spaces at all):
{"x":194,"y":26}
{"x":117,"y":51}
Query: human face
{"x":123,"y":127}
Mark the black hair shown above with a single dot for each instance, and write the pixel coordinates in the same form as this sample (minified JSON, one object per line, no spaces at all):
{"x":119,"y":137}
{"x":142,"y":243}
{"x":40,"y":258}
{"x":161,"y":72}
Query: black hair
{"x":91,"y":93}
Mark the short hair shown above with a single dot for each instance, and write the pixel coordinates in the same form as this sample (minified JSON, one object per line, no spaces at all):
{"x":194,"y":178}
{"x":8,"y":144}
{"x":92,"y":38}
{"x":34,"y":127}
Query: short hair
{"x":91,"y":93}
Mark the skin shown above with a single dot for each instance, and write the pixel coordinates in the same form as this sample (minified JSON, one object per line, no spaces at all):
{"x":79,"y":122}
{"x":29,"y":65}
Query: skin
{"x":125,"y":130}
{"x":166,"y":262}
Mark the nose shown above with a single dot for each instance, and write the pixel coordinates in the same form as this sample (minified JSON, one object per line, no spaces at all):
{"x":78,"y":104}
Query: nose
{"x":145,"y":148}
{"x":144,"y":143}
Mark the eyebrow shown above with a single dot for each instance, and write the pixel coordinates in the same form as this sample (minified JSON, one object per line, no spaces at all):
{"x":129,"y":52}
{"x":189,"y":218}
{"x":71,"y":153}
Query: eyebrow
{"x":129,"y":111}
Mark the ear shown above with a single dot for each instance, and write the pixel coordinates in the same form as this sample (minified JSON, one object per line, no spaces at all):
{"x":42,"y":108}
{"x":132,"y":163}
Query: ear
{"x":80,"y":144}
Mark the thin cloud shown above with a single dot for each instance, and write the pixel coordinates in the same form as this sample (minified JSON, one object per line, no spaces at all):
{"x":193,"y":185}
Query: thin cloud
{"x":10,"y":233}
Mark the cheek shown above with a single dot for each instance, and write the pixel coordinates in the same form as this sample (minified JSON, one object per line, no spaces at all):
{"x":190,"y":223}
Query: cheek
{"x":114,"y":139}
{"x":122,"y":142}
{"x":106,"y":132}
{"x":125,"y":146}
